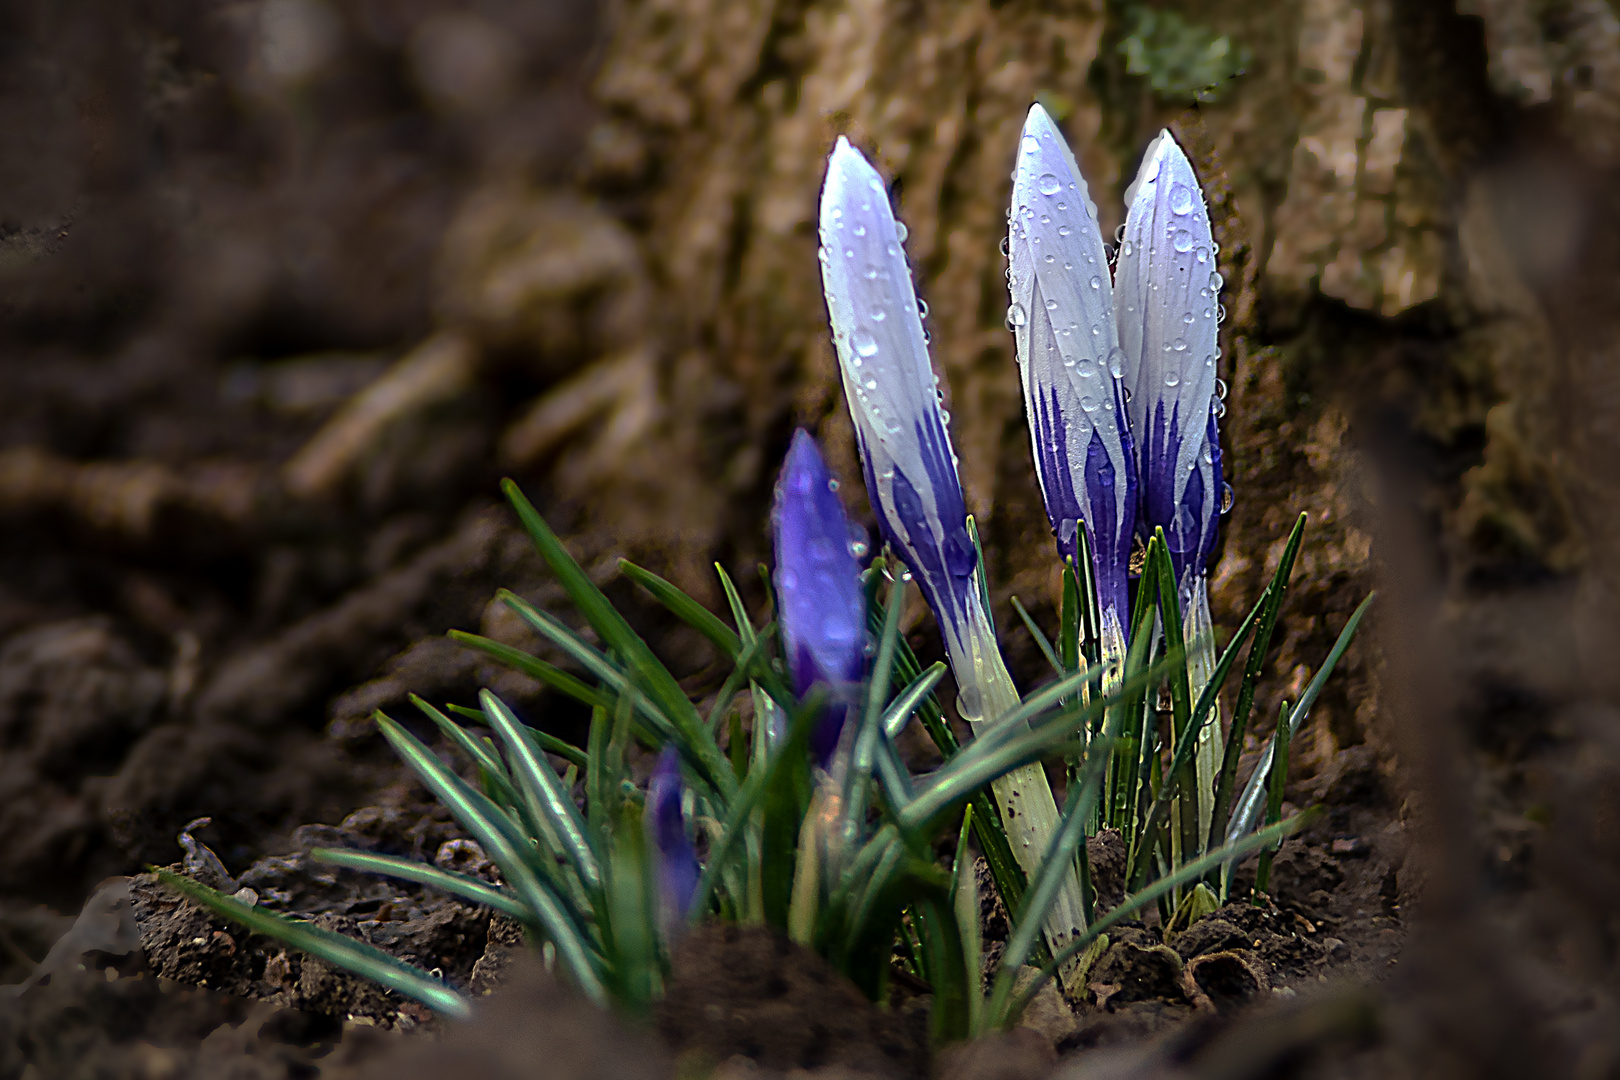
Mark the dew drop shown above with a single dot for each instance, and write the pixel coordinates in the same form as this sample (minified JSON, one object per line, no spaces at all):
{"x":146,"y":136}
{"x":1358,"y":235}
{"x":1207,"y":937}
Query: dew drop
{"x":1220,"y":389}
{"x":1050,"y":184}
{"x":832,"y":483}
{"x":1172,"y":377}
{"x":879,"y":315}
{"x":1006,"y":247}
{"x":1030,"y":145}
{"x":1226,"y":497}
{"x":1051,"y":304}
{"x":1116,"y":362}
{"x":1126,"y":249}
{"x":1096,"y":282}
{"x":1180,"y":198}
{"x":901,"y":232}
{"x":1015,"y":316}
{"x":1202,"y":254}
{"x":1063,"y":230}
{"x":922,"y":309}
{"x":1187,"y":318}
{"x":1215,"y":282}
{"x":1088,"y":403}
{"x":865,"y":344}
{"x":1182,"y":240}
{"x":860,"y":230}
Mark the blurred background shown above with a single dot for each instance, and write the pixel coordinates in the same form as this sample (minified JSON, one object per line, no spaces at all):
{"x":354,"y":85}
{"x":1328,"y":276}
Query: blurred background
{"x":287,"y":285}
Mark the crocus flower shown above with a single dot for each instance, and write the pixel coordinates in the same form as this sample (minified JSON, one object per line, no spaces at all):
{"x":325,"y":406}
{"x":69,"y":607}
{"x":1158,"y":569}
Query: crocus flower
{"x":677,"y":862}
{"x":818,"y":588}
{"x":894,"y":400}
{"x":1062,"y":318}
{"x":1168,"y":296}
{"x":911,"y":477}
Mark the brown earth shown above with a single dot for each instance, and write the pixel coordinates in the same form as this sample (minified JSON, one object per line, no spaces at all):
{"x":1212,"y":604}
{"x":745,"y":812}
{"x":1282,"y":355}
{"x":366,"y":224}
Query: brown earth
{"x":286,"y":286}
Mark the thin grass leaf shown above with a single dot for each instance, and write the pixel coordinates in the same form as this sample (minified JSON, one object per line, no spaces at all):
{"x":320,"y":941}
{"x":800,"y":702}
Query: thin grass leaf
{"x":480,"y":752}
{"x":900,"y":710}
{"x":1243,"y":818}
{"x":1272,"y":601}
{"x":684,"y":608}
{"x":1040,"y":639}
{"x":591,"y":659}
{"x":1279,"y":779}
{"x":543,"y":790}
{"x":697,"y":744}
{"x":1202,"y":712}
{"x":510,"y":852}
{"x":543,"y":739}
{"x":965,"y":900}
{"x":739,"y":611}
{"x":364,"y":960}
{"x":468,"y":888}
{"x":1003,"y":1012}
{"x":532,"y":666}
{"x":1185,"y":835}
{"x":858,"y":776}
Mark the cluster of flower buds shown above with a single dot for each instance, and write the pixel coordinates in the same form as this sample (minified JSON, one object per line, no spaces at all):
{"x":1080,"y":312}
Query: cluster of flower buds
{"x":1120,"y":384}
{"x":1119,"y":375}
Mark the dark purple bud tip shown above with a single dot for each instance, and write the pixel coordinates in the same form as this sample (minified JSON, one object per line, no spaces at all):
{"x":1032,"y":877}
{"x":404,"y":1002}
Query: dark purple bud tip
{"x":822,"y":608}
{"x":677,"y":862}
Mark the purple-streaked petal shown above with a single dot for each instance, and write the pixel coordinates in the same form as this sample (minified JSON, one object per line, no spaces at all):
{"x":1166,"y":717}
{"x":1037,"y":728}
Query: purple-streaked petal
{"x":818,"y":588}
{"x":1167,"y":296}
{"x":891,"y":388}
{"x":1062,"y":317}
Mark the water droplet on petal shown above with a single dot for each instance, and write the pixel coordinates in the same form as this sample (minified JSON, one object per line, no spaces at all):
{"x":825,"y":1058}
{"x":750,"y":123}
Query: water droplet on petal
{"x":1180,"y":198}
{"x":901,"y":232}
{"x":1116,"y":362}
{"x":1050,"y":184}
{"x":860,"y":230}
{"x":865,"y":344}
{"x":1172,"y":377}
{"x":879,"y":315}
{"x":1180,"y":344}
{"x":1063,"y":230}
{"x":1215,"y":282}
{"x":1202,"y":254}
{"x":1096,"y":282}
{"x":1088,"y":403}
{"x":1015,"y":316}
{"x":1182,"y":240}
{"x":1126,"y":248}
{"x":1187,"y":318}
{"x":832,"y":483}
{"x":1227,"y":497}
{"x":1051,"y":304}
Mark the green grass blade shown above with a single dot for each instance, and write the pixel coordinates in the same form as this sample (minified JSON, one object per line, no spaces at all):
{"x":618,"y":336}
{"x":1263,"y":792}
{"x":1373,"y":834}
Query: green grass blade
{"x":1201,"y":714}
{"x":1248,"y":807}
{"x":965,"y":901}
{"x":858,"y":776}
{"x":532,"y":666}
{"x":542,"y":789}
{"x":739,"y":611}
{"x":468,"y":888}
{"x":1040,"y":639}
{"x":910,"y":699}
{"x":481,"y":754}
{"x":364,"y":960}
{"x":684,"y":608}
{"x":1272,"y":601}
{"x":1183,"y":780}
{"x":1002,"y":1013}
{"x":655,"y":680}
{"x":545,"y":740}
{"x":1279,"y":780}
{"x":509,"y":851}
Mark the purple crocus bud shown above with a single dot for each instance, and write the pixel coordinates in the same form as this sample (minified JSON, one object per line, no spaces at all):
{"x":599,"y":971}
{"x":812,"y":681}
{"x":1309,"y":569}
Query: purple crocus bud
{"x":1062,"y":319}
{"x":1168,"y":297}
{"x":893,"y":394}
{"x":818,"y":588}
{"x":677,"y":862}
